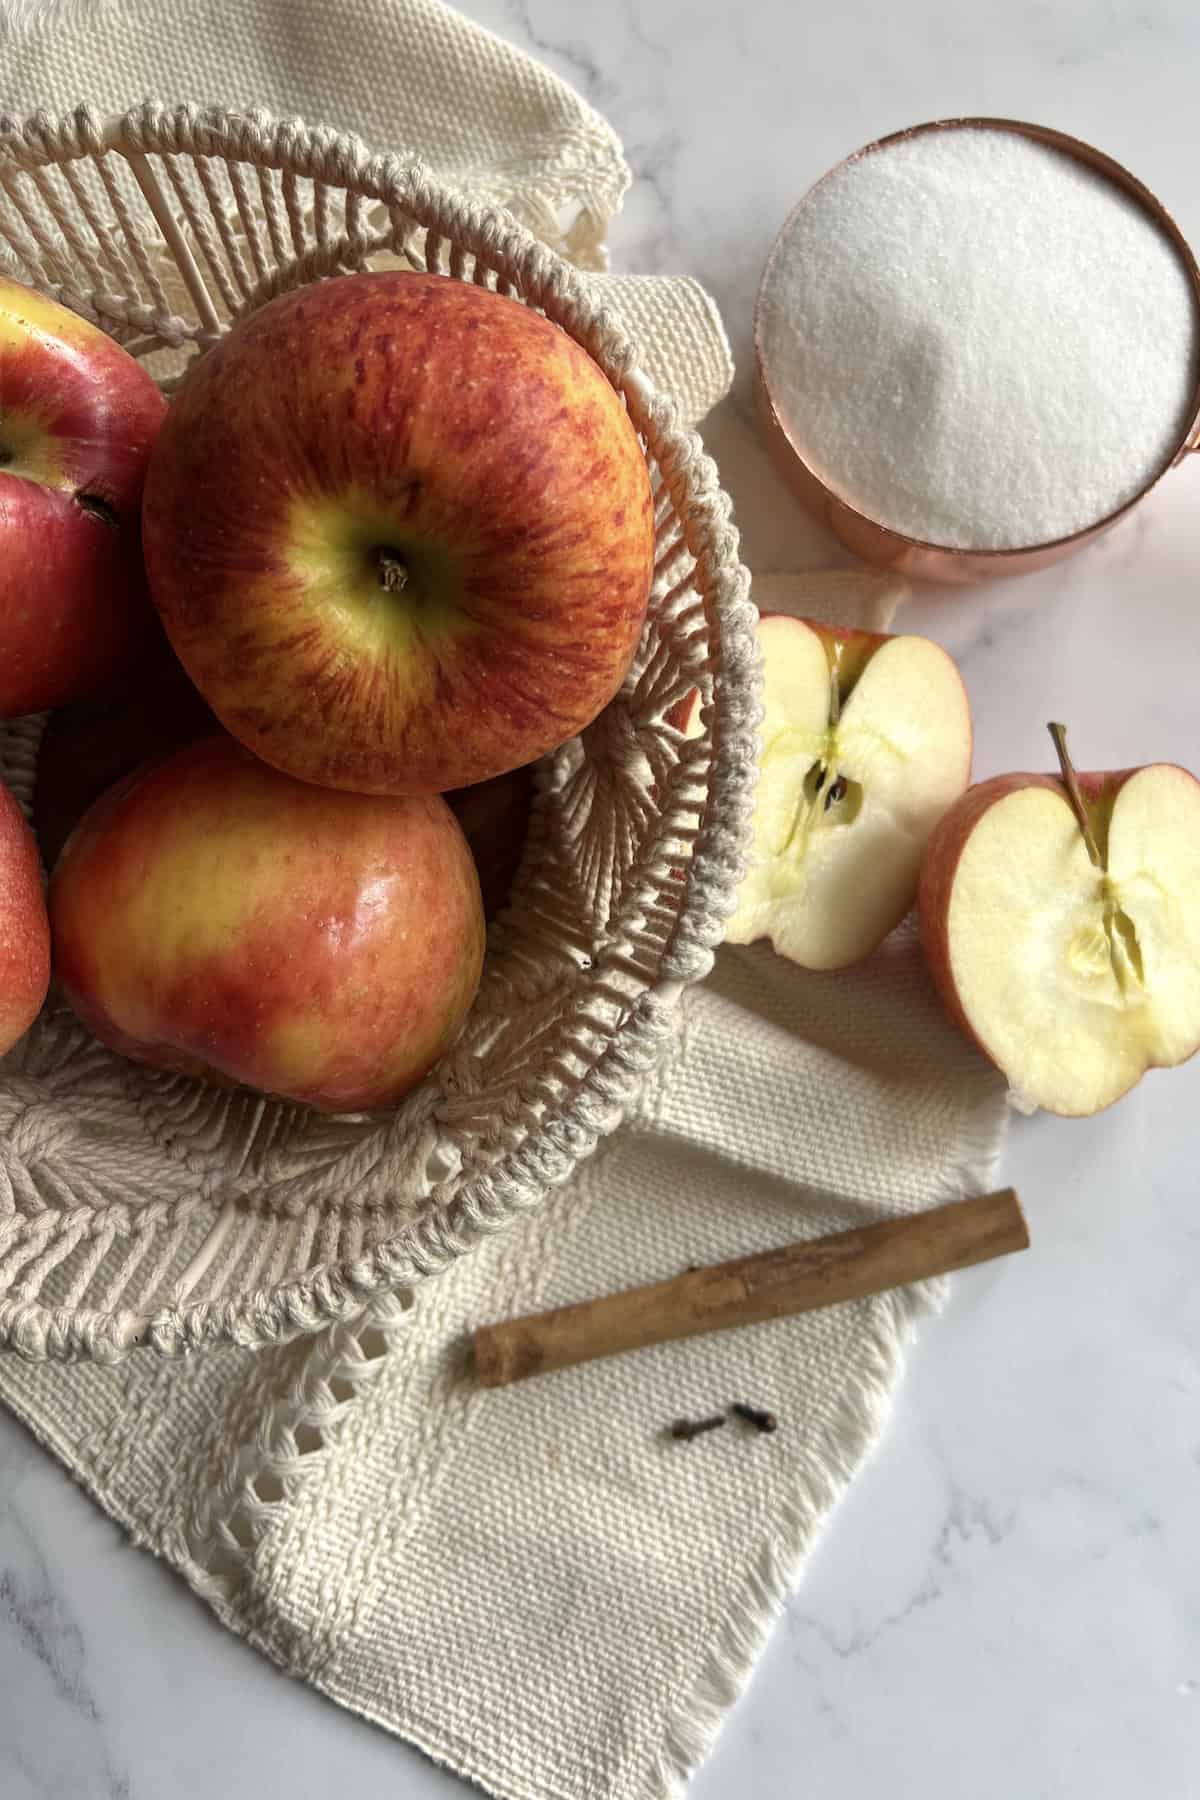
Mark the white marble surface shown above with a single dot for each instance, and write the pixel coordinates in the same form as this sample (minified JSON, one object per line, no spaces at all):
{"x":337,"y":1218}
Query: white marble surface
{"x":1007,"y":1606}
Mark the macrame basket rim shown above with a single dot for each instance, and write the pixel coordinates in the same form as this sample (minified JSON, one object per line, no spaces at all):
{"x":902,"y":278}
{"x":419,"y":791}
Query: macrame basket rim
{"x":337,"y":1290}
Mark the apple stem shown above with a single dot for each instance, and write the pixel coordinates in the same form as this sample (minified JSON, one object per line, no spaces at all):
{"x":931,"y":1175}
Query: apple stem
{"x":392,"y":570}
{"x":835,"y":697}
{"x":1058,"y":734}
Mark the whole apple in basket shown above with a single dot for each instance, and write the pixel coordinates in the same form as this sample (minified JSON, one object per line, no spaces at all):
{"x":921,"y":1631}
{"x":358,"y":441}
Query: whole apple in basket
{"x":400,"y":532}
{"x":212,"y":915}
{"x":87,"y":747}
{"x":77,"y":418}
{"x":494,"y":816}
{"x":24,"y":931}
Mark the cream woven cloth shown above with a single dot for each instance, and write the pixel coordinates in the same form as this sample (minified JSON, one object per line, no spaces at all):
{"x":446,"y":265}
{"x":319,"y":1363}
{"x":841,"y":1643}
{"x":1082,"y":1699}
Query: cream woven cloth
{"x":535,"y":1585}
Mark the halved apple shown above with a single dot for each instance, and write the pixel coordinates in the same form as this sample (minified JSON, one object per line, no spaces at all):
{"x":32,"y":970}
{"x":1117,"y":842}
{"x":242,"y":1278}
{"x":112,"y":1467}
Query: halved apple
{"x":1061,"y":921}
{"x":866,"y":741}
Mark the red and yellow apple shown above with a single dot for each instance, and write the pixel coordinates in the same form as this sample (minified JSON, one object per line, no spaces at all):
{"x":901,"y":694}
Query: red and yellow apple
{"x":866,"y":740}
{"x":24,"y":929}
{"x":212,"y":915}
{"x":89,"y":746}
{"x":494,"y":816}
{"x":399,"y":529}
{"x":77,"y":419}
{"x":1060,"y":916}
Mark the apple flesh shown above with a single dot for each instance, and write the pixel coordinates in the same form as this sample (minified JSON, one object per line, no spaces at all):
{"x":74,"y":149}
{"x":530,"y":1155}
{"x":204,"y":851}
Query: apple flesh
{"x":214,"y":916}
{"x":400,"y":532}
{"x":1073,"y":976}
{"x":77,"y":419}
{"x":24,"y":928}
{"x":866,"y":741}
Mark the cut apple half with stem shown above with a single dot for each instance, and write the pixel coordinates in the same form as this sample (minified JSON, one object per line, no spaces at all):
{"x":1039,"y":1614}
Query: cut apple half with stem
{"x":866,"y":741}
{"x":1060,"y":916}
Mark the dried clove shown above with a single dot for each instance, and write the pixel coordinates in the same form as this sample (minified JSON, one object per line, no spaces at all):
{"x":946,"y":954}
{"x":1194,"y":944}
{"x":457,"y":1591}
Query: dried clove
{"x":754,"y":1415}
{"x":686,"y":1429}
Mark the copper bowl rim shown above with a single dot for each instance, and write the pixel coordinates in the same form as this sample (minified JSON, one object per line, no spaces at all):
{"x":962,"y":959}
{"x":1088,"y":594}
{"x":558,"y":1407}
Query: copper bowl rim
{"x":1121,"y":177}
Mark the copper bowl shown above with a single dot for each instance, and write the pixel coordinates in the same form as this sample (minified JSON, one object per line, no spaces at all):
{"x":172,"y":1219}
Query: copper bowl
{"x":878,"y":543}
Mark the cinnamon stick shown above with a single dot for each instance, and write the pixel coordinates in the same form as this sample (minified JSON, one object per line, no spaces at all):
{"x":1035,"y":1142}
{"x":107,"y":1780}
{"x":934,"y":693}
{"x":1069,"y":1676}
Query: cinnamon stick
{"x":772,"y":1285}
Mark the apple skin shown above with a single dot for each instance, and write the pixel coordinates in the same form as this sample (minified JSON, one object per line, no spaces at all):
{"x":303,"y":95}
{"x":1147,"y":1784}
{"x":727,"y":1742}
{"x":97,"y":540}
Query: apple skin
{"x":418,"y":431}
{"x":214,"y":916}
{"x":78,"y":417}
{"x":24,"y":927}
{"x":88,"y":746}
{"x":940,"y":863}
{"x":494,"y":816}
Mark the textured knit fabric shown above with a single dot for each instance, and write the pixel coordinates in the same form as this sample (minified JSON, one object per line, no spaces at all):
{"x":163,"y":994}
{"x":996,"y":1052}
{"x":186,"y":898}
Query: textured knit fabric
{"x":408,"y":76}
{"x":535,"y":1584}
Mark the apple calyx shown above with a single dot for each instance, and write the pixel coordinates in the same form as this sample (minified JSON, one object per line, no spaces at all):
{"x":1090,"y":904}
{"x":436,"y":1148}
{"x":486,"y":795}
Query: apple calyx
{"x":94,"y":504}
{"x":391,"y":569}
{"x":98,"y":509}
{"x":1119,"y":943}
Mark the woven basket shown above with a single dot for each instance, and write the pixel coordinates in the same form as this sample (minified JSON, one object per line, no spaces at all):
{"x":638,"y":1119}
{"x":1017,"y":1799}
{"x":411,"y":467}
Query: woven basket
{"x":138,"y":1207}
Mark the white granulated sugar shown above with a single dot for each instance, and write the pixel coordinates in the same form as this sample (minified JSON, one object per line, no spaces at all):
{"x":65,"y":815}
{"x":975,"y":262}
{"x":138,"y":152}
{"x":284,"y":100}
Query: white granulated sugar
{"x":978,"y":341}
